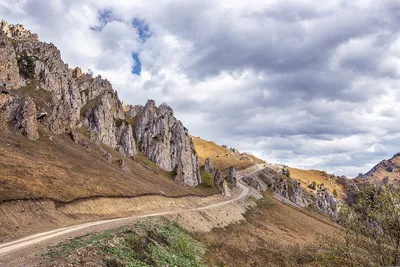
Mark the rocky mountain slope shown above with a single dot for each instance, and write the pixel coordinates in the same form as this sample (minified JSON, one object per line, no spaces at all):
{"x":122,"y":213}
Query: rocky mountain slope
{"x":291,"y":189}
{"x":386,"y":171}
{"x":42,"y":91}
{"x":223,"y":156}
{"x":290,"y":183}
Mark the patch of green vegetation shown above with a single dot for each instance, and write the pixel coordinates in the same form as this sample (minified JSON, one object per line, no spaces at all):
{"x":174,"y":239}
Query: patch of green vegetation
{"x":207,"y":179}
{"x":156,"y":242}
{"x":27,"y":66}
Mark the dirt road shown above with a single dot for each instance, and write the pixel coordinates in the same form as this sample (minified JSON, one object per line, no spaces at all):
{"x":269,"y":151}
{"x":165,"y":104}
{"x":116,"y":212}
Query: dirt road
{"x":17,"y":245}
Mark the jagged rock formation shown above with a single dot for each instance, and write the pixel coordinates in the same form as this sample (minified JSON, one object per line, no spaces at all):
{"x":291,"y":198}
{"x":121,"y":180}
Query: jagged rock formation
{"x":291,"y":189}
{"x":216,"y":174}
{"x":232,"y":176}
{"x":385,"y":172}
{"x":219,"y":181}
{"x":166,"y":142}
{"x":208,"y":166}
{"x":41,"y":83}
{"x":133,"y":111}
{"x":21,"y":113}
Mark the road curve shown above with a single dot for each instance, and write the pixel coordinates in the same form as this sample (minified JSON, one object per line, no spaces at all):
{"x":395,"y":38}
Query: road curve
{"x":16,"y":245}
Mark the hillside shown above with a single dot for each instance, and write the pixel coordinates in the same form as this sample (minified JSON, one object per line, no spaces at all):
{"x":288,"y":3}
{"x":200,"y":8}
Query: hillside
{"x":386,"y":171}
{"x":223,"y":157}
{"x":66,"y":135}
{"x":307,"y":177}
{"x":55,"y":167}
{"x":271,"y":234}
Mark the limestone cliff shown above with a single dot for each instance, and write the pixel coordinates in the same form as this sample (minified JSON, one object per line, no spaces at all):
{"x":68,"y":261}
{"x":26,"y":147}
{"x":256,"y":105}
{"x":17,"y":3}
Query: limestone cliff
{"x":291,"y":189}
{"x":166,"y":142}
{"x":42,"y":90}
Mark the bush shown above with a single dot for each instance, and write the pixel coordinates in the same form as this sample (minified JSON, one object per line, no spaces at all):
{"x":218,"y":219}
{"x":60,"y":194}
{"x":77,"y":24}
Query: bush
{"x":207,"y":179}
{"x":313,"y":185}
{"x":335,"y":193}
{"x":27,"y":66}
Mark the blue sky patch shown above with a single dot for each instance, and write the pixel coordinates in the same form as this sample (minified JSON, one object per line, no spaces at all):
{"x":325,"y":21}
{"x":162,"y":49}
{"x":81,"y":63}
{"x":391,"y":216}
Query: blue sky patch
{"x":137,"y":67}
{"x":104,"y":16}
{"x":142,"y":28}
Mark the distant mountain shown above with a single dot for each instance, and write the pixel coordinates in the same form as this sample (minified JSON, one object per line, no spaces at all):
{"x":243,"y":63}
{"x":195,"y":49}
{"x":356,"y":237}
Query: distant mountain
{"x":386,"y":171}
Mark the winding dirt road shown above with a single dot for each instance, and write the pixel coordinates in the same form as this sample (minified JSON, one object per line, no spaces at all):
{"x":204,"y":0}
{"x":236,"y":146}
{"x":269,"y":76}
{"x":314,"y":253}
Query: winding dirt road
{"x":14,"y":246}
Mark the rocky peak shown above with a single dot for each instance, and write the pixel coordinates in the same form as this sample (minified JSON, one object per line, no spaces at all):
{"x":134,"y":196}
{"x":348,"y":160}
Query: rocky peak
{"x":17,"y":32}
{"x":386,"y":171}
{"x":133,"y":111}
{"x":45,"y":90}
{"x":167,"y":143}
{"x":208,"y":166}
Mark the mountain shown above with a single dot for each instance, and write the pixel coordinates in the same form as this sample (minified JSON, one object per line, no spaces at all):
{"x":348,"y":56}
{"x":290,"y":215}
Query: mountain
{"x":386,"y":171}
{"x":42,"y":98}
{"x":223,"y":157}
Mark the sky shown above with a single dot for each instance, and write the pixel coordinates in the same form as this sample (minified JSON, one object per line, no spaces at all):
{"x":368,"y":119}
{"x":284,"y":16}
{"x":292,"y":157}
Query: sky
{"x":310,"y":84}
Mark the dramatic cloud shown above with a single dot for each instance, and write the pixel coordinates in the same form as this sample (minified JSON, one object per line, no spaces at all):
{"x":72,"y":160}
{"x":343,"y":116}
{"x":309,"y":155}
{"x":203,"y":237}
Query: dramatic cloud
{"x":312,"y":84}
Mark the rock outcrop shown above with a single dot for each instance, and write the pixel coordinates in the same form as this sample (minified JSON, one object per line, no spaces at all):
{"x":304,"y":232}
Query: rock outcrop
{"x":164,"y":140}
{"x":232,"y":176}
{"x":291,"y":189}
{"x":133,"y":111}
{"x":42,"y":86}
{"x":20,"y":112}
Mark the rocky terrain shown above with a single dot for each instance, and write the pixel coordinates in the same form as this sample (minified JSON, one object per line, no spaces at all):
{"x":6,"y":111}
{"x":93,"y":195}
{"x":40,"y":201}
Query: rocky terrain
{"x":42,"y":89}
{"x":386,"y":172}
{"x":282,"y":184}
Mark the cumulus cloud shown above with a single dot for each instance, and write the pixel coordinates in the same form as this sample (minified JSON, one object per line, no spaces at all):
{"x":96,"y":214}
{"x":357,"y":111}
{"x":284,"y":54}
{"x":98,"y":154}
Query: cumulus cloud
{"x":306,"y":83}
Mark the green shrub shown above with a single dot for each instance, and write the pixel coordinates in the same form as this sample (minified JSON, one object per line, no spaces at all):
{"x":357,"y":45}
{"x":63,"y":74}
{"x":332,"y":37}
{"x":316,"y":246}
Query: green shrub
{"x":27,"y":66}
{"x":313,"y":185}
{"x":207,"y":179}
{"x":335,"y":193}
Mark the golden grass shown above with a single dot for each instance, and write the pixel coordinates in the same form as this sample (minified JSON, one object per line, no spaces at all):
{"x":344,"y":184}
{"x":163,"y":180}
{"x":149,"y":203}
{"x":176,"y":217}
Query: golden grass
{"x":306,"y":177}
{"x":266,"y":237}
{"x":63,"y":170}
{"x":222,"y":158}
{"x":381,"y":172}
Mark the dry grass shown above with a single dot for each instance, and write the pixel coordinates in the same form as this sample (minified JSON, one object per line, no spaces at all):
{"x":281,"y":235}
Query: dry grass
{"x":60,"y":169}
{"x":268,"y":237}
{"x":306,"y":177}
{"x":222,"y":158}
{"x":381,"y":172}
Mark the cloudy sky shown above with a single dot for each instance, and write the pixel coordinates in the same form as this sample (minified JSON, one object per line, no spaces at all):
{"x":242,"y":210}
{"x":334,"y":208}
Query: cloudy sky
{"x":311,"y":84}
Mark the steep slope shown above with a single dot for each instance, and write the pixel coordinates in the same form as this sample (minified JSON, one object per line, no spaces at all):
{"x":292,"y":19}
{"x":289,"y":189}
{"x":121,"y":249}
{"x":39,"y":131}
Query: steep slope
{"x":282,"y":184}
{"x":223,"y":157}
{"x":43,"y":92}
{"x":307,"y":177}
{"x":386,"y":171}
{"x":56,"y":167}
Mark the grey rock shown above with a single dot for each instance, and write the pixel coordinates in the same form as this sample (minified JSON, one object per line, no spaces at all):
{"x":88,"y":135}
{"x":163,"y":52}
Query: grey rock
{"x":208,"y":166}
{"x":164,"y":140}
{"x":133,"y":111}
{"x":108,"y":156}
{"x":269,"y":179}
{"x":19,"y":112}
{"x":105,"y":119}
{"x":232,"y":176}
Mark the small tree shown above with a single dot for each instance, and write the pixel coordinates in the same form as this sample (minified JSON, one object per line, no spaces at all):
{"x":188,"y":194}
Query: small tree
{"x":207,"y":179}
{"x":335,"y":193}
{"x":313,"y":185}
{"x":27,"y":66}
{"x":371,"y":231}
